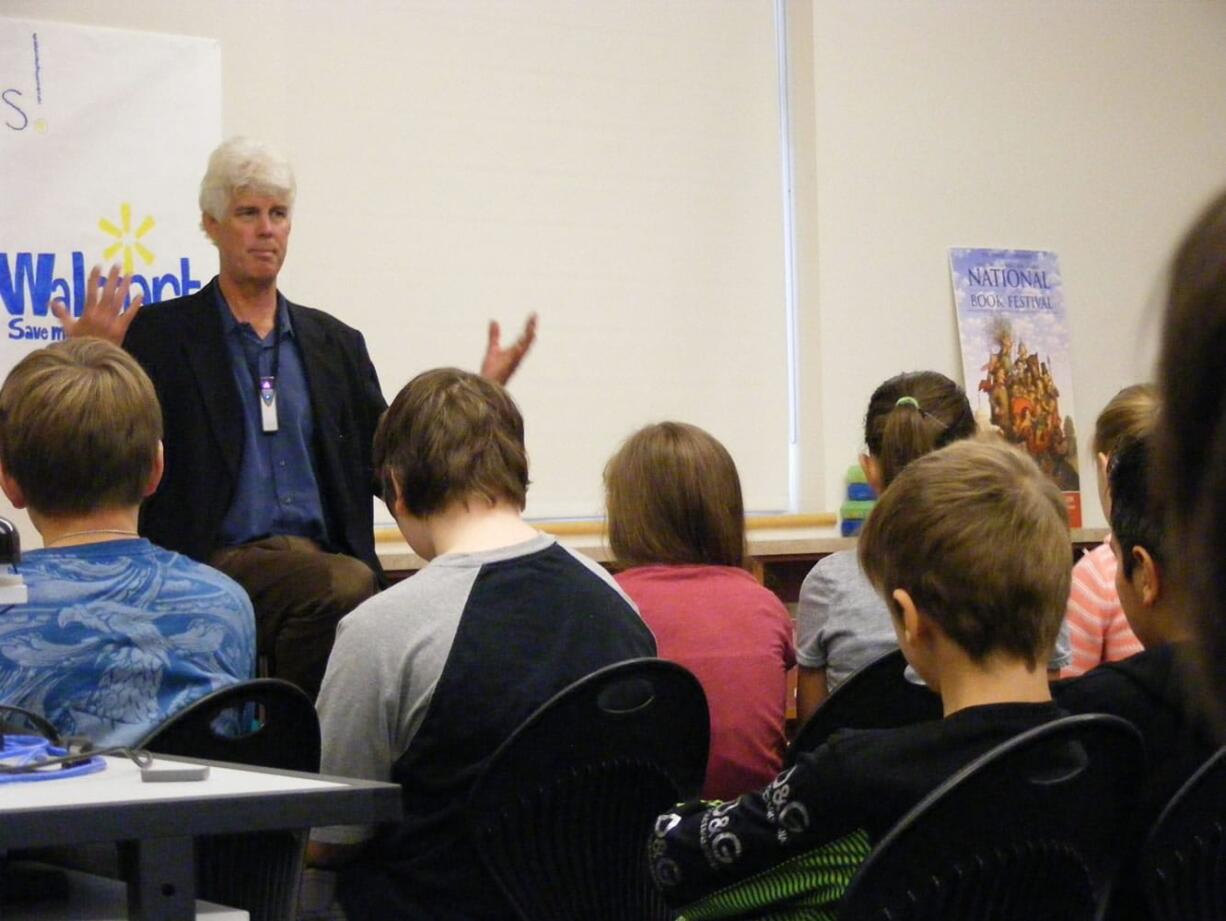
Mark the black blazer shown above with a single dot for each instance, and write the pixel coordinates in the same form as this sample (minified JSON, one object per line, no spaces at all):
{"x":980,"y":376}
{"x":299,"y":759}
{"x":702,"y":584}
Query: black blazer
{"x":180,"y":343}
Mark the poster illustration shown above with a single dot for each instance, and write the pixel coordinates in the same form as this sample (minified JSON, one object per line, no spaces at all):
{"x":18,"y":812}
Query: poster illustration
{"x":1015,"y":356}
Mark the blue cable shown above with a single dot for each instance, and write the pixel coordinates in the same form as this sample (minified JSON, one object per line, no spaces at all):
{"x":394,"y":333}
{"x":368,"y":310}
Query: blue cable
{"x":19,"y":751}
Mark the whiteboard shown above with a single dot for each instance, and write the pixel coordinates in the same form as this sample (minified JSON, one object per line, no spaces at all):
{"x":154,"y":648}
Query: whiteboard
{"x":615,"y":167}
{"x":1095,"y":128}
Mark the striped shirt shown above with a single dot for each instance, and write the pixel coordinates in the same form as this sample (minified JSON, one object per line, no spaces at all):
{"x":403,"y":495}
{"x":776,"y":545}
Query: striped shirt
{"x":1098,"y":630}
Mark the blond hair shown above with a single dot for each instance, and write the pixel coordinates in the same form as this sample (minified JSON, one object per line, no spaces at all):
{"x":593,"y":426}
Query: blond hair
{"x":1128,"y":415}
{"x":978,"y":536}
{"x":673,"y":496}
{"x":79,"y":428}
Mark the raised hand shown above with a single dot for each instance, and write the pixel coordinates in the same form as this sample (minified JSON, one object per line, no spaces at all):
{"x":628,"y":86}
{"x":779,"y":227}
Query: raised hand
{"x":499,"y":363}
{"x":104,"y":315}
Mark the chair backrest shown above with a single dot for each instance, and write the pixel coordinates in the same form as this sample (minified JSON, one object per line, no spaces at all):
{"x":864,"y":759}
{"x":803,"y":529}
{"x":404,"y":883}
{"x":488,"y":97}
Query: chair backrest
{"x":1182,"y":864}
{"x":265,"y":722}
{"x":562,"y":814}
{"x":875,"y":696}
{"x":1031,"y":830}
{"x":20,"y":721}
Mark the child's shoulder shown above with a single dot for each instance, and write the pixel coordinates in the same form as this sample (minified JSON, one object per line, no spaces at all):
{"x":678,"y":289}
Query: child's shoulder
{"x":842,"y":564}
{"x":1152,"y":674}
{"x":975,"y":726}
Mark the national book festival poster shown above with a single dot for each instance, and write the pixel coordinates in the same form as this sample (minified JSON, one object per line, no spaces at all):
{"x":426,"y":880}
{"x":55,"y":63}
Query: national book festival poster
{"x":1015,"y":356}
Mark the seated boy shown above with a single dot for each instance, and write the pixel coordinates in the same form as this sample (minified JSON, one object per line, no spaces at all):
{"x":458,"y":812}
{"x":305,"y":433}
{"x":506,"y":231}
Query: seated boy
{"x":429,"y":677}
{"x":1149,"y":688}
{"x":117,"y":634}
{"x":969,"y":547}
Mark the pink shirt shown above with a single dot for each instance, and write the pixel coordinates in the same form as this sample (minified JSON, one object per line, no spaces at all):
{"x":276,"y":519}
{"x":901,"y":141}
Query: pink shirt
{"x":736,"y":637}
{"x":1098,"y":630}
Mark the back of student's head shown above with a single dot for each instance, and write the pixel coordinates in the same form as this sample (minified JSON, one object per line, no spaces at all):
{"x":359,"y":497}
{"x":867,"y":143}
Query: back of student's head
{"x":1129,"y":414}
{"x":912,"y":414}
{"x":978,"y":537}
{"x":1136,"y":514}
{"x":80,"y":425}
{"x":451,"y":436}
{"x":673,"y":496}
{"x":1191,"y":432}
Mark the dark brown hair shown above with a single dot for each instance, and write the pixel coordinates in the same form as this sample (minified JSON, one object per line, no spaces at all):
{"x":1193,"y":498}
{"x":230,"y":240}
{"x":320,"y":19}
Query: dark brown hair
{"x":1136,"y":513}
{"x":897,"y":433}
{"x":978,"y":536}
{"x":1128,"y":415}
{"x":79,"y":428}
{"x":673,"y":496}
{"x":1191,"y":435}
{"x":450,"y":436}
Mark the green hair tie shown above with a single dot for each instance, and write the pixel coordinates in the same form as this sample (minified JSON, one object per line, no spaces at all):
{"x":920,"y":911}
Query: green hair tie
{"x":908,"y":401}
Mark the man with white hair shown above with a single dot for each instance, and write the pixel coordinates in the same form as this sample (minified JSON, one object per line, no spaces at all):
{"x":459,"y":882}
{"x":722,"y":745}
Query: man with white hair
{"x":270,"y":410}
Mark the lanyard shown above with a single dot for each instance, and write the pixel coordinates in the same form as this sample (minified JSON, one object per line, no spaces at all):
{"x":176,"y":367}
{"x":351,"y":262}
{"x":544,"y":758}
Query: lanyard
{"x":266,"y":386}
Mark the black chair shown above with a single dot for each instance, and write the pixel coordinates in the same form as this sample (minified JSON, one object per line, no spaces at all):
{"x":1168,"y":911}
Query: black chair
{"x":875,"y":696}
{"x":20,"y":721}
{"x":562,"y":814}
{"x":277,"y":728}
{"x":1031,"y":830}
{"x":1182,"y":865}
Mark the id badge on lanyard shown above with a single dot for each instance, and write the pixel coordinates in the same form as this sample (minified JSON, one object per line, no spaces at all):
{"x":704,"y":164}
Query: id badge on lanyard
{"x":268,"y":404}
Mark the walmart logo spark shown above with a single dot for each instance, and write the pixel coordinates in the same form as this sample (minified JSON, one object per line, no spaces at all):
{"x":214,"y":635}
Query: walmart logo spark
{"x":127,"y":240}
{"x":30,"y":280}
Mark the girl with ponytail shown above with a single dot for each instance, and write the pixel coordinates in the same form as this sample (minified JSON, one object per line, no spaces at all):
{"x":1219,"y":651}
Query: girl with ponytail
{"x":841,"y":621}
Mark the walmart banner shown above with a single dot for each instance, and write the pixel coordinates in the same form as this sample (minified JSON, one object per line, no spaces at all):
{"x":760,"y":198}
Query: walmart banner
{"x":104,"y":135}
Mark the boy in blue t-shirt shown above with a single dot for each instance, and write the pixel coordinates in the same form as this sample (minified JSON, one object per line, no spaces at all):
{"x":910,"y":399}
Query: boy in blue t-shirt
{"x":117,"y":633}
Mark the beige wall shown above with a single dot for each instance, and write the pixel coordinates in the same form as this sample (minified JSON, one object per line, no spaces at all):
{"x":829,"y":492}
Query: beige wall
{"x":1091,"y":127}
{"x":1094,"y":129}
{"x":615,"y":166}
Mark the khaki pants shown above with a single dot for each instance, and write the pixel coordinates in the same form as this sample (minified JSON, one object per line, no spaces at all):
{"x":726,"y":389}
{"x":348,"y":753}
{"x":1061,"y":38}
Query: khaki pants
{"x":299,"y":593}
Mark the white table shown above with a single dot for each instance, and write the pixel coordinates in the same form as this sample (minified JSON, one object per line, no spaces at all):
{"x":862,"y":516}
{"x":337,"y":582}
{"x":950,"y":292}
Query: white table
{"x":159,"y":822}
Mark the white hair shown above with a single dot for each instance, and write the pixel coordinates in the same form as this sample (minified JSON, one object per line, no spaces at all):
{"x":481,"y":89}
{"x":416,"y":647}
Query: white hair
{"x":244,"y":163}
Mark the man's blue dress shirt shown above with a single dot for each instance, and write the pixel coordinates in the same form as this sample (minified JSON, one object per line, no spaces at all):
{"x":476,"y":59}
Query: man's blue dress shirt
{"x":277,"y":492}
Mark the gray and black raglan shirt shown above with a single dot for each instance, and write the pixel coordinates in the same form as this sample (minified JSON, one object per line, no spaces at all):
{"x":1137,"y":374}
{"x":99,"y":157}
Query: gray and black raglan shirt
{"x":427,"y":679}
